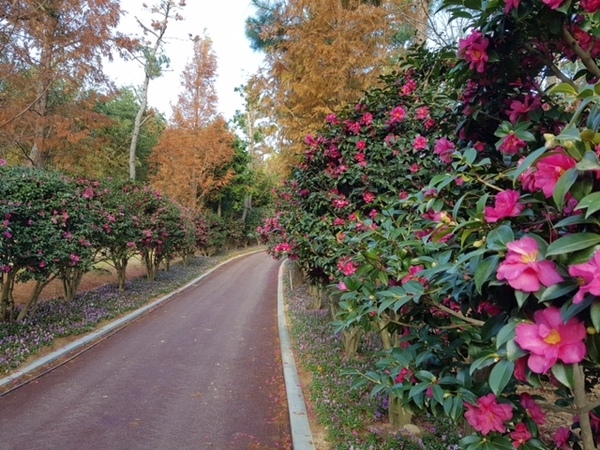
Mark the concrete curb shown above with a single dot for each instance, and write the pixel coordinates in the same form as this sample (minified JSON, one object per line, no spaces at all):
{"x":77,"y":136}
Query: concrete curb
{"x":301,"y":434}
{"x":20,"y":377}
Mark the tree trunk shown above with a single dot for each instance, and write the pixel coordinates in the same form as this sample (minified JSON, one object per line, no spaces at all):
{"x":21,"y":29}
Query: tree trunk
{"x":137,"y":127}
{"x":38,"y":155}
{"x":152,"y":263}
{"x":31,"y":304}
{"x":247,"y":207}
{"x":398,"y":415}
{"x":71,"y":280}
{"x":351,"y":339}
{"x":7,"y":302}
{"x":121,"y":269}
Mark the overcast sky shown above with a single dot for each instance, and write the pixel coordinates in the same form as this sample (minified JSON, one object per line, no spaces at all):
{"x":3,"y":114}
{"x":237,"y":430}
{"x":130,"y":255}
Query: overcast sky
{"x":224,"y":23}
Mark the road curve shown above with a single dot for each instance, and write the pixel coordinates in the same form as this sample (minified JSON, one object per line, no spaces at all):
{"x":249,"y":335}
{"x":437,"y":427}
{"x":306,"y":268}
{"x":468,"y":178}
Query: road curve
{"x":201,"y":372}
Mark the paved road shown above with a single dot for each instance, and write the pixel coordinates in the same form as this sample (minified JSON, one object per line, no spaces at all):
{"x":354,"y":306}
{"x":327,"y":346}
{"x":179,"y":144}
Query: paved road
{"x":201,"y":372}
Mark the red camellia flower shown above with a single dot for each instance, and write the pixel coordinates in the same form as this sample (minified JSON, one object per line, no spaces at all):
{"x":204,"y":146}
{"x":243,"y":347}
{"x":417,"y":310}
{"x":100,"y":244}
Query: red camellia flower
{"x":521,"y":435}
{"x":533,"y":409}
{"x":506,"y":205}
{"x":488,"y":415}
{"x":553,"y":4}
{"x":590,"y":6}
{"x":549,"y":339}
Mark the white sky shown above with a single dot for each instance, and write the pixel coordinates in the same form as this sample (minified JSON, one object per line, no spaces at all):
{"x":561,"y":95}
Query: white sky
{"x":224,"y":23}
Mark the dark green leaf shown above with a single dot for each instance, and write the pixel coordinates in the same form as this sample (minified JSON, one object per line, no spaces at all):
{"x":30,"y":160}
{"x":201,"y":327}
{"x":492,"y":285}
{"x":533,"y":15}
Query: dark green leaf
{"x":487,"y":267}
{"x":572,"y":243}
{"x":501,"y":375}
{"x":564,"y":184}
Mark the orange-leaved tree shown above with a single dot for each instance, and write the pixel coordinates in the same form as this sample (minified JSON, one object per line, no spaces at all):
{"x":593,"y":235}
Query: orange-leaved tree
{"x":51,"y":52}
{"x":192,"y":157}
{"x":321,"y":55}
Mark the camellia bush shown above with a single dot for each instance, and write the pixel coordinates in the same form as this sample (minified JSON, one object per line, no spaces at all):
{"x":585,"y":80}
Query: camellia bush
{"x":54,"y":227}
{"x":45,"y":234}
{"x":480,"y":268}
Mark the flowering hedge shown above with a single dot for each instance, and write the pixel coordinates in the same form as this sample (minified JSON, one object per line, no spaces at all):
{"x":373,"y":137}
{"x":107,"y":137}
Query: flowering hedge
{"x":55,"y":227}
{"x":480,"y":263}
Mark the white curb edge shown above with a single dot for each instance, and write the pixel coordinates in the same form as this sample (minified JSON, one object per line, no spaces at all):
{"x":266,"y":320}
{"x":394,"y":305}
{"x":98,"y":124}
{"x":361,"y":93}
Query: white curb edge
{"x":301,"y":434}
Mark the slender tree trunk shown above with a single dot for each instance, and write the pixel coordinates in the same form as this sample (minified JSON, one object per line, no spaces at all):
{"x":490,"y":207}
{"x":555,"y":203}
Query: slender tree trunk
{"x":121,"y":269}
{"x":38,"y":155}
{"x":31,"y":304}
{"x":137,"y":127}
{"x":71,"y":280}
{"x":7,"y":302}
{"x":247,"y":207}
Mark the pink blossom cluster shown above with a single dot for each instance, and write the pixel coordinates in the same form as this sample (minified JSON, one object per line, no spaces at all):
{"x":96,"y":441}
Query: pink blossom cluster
{"x":473,"y":49}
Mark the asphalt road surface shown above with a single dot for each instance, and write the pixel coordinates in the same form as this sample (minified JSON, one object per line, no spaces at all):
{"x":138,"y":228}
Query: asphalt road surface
{"x":201,"y":372}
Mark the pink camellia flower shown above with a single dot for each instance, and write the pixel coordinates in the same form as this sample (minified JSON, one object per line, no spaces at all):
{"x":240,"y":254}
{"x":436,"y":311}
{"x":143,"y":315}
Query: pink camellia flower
{"x":506,"y":205}
{"x":473,"y":50}
{"x":520,"y":110}
{"x":342,"y":286}
{"x":510,"y":5}
{"x":488,"y":415}
{"x":533,"y":409}
{"x":412,"y":275}
{"x":420,"y":143}
{"x":588,"y":276}
{"x":444,"y":149}
{"x":404,"y":376}
{"x":561,"y":438}
{"x":340,"y":203}
{"x":553,"y":4}
{"x":549,"y":170}
{"x":521,"y":435}
{"x":511,"y":145}
{"x":590,"y":6}
{"x":522,"y":270}
{"x":408,"y":88}
{"x":332,"y":119}
{"x":339,"y":222}
{"x":361,"y":145}
{"x":549,"y":339}
{"x":369,"y":197}
{"x":3,"y":162}
{"x":347,"y":267}
{"x":367,"y":119}
{"x":422,"y":113}
{"x":398,"y":114}
{"x":521,"y":369}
